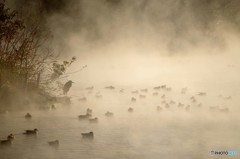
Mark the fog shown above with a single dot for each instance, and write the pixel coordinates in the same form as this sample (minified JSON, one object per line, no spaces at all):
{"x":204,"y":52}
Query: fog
{"x":134,"y":45}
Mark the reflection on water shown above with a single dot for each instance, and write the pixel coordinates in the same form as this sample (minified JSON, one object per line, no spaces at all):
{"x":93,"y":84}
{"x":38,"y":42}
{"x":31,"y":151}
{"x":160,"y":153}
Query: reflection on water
{"x":144,"y":133}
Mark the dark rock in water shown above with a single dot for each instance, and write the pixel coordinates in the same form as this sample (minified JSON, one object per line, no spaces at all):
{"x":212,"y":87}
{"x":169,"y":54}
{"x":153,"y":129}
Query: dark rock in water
{"x":89,"y":135}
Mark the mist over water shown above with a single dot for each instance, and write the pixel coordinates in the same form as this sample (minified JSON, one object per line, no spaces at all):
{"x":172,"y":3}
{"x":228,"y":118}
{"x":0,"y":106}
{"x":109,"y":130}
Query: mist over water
{"x":135,"y":45}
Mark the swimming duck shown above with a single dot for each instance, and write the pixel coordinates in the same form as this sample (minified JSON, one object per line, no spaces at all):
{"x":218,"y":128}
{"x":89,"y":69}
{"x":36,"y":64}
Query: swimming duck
{"x":54,"y":143}
{"x":109,"y":114}
{"x":144,"y":90}
{"x":87,"y":116}
{"x":142,"y":96}
{"x":31,"y":132}
{"x":89,"y":88}
{"x":187,"y":108}
{"x":155,"y":94}
{"x":167,"y":105}
{"x":135,"y":92}
{"x":53,"y":106}
{"x":88,"y":135}
{"x":28,"y":116}
{"x":159,"y":108}
{"x":10,"y":137}
{"x":83,"y":99}
{"x":93,"y":120}
{"x":133,"y":99}
{"x":130,"y":109}
{"x":6,"y":142}
{"x":89,"y":111}
{"x":110,"y":87}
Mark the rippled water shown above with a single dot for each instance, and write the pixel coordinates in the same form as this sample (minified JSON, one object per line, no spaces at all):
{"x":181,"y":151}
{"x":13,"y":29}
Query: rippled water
{"x":145,"y":133}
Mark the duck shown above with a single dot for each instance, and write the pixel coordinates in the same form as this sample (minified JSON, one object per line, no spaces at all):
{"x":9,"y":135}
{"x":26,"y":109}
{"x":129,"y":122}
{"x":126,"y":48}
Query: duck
{"x":6,"y":142}
{"x":31,"y":132}
{"x":157,"y":87}
{"x":224,"y":110}
{"x":110,"y":87}
{"x":121,"y":91}
{"x":133,"y":99}
{"x":86,"y":116}
{"x":180,"y":105}
{"x":187,"y":108}
{"x":167,"y":105}
{"x":10,"y":137}
{"x":93,"y":120}
{"x":135,"y":92}
{"x":130,"y":110}
{"x":109,"y":114}
{"x":155,"y":94}
{"x":89,"y":88}
{"x":144,"y":90}
{"x":163,"y":96}
{"x":202,"y":93}
{"x":199,"y":105}
{"x":53,"y":106}
{"x":89,"y":135}
{"x":142,"y":96}
{"x":168,"y":89}
{"x":98,"y":96}
{"x":83,"y":99}
{"x":159,"y":108}
{"x":28,"y":116}
{"x":172,"y":102}
{"x":89,"y":111}
{"x":54,"y":143}
{"x":163,"y":86}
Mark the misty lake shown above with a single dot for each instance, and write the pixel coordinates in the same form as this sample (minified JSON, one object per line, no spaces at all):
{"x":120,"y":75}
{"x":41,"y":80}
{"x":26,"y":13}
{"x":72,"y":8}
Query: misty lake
{"x":144,"y":133}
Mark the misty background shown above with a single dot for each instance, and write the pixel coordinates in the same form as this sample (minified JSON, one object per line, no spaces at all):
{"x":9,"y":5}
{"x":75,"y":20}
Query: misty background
{"x":144,"y":41}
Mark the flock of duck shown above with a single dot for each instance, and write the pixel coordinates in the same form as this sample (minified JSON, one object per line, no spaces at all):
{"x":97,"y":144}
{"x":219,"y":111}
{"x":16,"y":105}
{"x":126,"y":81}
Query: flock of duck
{"x":136,"y":95}
{"x":166,"y":103}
